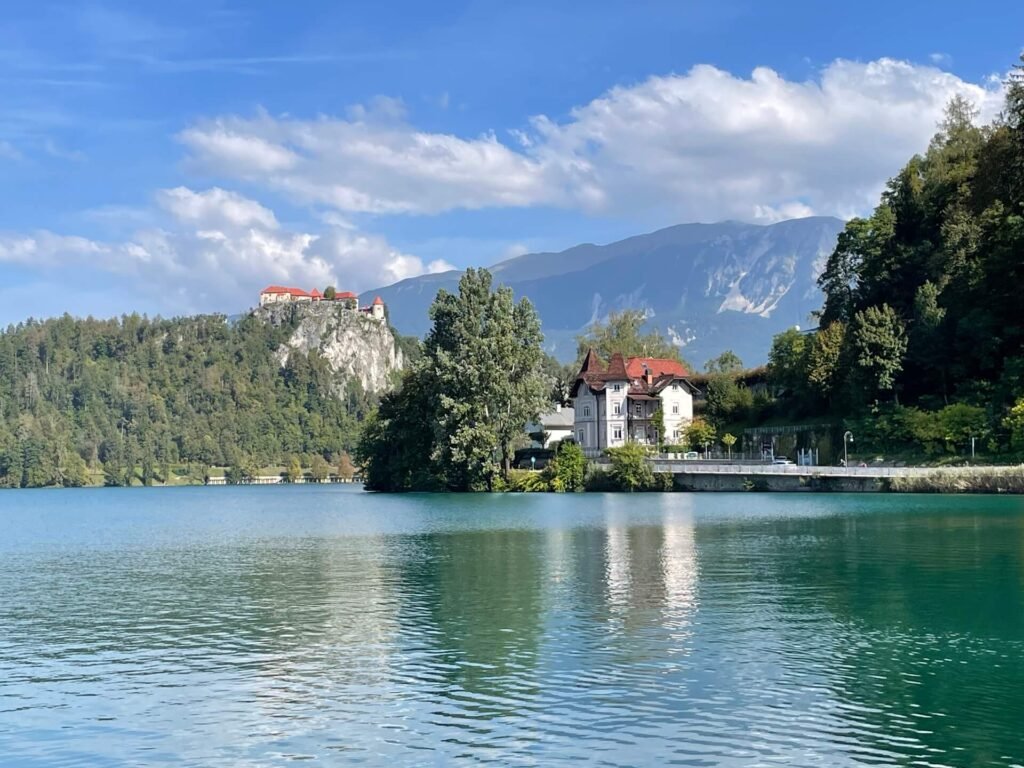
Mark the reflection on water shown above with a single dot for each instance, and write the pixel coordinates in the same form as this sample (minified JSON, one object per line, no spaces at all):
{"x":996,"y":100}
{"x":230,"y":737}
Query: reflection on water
{"x":258,"y":626}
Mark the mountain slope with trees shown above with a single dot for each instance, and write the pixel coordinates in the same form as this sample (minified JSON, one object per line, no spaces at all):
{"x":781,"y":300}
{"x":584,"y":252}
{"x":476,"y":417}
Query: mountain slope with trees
{"x":922,"y":328}
{"x":129,"y":399}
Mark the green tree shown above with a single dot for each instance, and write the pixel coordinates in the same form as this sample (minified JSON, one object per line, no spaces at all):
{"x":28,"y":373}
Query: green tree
{"x":700,"y":433}
{"x":623,"y":332}
{"x":787,"y":360}
{"x":960,"y":422}
{"x":630,"y":468}
{"x":294,"y":471}
{"x":570,"y":465}
{"x":727,"y":362}
{"x":460,"y":411}
{"x":824,"y":360}
{"x":879,"y":343}
{"x":319,"y":469}
{"x":1014,"y":424}
{"x":330,"y":292}
{"x":728,"y":440}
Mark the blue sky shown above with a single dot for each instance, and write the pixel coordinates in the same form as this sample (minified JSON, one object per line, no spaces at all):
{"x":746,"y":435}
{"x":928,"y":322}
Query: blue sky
{"x":174,"y":157}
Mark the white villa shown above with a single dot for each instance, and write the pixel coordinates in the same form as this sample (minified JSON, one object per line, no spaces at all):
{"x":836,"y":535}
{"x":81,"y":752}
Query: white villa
{"x":279,"y":294}
{"x":616,"y":404}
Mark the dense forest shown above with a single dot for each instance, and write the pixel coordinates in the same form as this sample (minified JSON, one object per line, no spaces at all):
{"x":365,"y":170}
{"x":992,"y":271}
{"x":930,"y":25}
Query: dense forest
{"x":135,"y":400}
{"x":921,"y":337}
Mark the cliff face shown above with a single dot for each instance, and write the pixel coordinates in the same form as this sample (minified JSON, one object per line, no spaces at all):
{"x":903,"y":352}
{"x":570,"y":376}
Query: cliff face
{"x":357,"y":347}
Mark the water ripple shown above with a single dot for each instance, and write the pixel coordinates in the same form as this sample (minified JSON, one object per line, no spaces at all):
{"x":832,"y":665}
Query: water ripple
{"x":302,"y":624}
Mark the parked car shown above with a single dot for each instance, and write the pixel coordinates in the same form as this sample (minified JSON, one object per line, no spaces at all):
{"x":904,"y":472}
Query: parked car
{"x":782,"y":461}
{"x":691,"y":455}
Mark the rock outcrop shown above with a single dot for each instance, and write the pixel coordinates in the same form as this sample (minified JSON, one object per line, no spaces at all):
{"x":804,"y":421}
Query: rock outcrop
{"x":358,"y":347}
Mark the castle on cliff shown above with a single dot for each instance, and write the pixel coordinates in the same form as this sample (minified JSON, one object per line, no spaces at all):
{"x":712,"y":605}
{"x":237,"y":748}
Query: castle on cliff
{"x":278,"y":294}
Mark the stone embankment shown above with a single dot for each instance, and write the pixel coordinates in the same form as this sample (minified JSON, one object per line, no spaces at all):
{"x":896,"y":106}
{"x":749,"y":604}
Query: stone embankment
{"x":715,"y":476}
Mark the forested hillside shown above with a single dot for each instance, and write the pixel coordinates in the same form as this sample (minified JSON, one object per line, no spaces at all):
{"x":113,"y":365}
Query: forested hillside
{"x":922,"y":329}
{"x":138,"y":399}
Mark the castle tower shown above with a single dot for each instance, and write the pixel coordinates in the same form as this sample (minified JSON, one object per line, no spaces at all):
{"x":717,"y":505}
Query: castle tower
{"x":377,"y":309}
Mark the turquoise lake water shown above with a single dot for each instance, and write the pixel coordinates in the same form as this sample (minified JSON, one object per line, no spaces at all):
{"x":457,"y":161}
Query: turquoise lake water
{"x":264,"y":625}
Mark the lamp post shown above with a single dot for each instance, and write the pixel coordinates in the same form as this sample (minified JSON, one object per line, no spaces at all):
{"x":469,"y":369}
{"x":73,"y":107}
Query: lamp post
{"x":847,"y":439}
{"x":972,"y":445}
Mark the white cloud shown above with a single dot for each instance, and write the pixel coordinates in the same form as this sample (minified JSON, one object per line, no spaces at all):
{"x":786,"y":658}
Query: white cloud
{"x":703,"y":145}
{"x":372,"y":162}
{"x":708,"y":145}
{"x":222,"y":250}
{"x":238,"y":153}
{"x":215,"y":207}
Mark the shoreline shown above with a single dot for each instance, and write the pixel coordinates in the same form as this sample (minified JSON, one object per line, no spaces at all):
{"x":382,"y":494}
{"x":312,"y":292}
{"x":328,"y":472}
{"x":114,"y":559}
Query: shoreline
{"x":996,"y":480}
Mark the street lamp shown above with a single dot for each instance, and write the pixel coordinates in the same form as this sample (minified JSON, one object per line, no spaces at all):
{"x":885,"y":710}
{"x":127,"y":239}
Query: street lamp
{"x":972,"y":445}
{"x":847,"y":438}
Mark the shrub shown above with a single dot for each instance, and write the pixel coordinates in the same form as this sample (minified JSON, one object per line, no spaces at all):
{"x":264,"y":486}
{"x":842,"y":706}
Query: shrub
{"x":569,"y":466}
{"x":630,"y":469}
{"x":600,"y":481}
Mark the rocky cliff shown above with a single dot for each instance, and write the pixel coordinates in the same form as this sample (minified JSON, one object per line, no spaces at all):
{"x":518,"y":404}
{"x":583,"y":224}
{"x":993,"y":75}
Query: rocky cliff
{"x":357,"y":347}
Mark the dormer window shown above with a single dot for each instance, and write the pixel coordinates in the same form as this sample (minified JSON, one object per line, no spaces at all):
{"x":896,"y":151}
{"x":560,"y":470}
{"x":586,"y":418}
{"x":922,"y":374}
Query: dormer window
{"x":616,"y":387}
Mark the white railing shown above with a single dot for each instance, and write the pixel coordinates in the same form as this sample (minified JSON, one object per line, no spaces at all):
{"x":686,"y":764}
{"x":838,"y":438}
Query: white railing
{"x":711,"y":468}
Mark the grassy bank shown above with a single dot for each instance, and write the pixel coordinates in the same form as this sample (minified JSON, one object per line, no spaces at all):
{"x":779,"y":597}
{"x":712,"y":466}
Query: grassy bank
{"x":977,"y":480}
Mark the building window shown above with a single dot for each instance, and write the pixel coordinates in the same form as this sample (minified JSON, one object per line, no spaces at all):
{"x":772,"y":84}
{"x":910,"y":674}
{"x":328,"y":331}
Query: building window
{"x":617,"y":434}
{"x":675,"y":407}
{"x":675,"y":385}
{"x":582,"y":441}
{"x":675,"y":434}
{"x":586,"y":410}
{"x":639,"y":409}
{"x":618,"y":409}
{"x":616,"y":387}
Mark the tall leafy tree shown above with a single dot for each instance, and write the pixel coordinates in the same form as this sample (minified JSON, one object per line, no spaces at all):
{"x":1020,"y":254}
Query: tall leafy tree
{"x":879,"y":343}
{"x":461,"y":408}
{"x":623,"y":332}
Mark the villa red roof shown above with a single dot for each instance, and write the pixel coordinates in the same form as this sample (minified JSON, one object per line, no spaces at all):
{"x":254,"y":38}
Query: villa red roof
{"x":637,"y":367}
{"x":634,"y":371}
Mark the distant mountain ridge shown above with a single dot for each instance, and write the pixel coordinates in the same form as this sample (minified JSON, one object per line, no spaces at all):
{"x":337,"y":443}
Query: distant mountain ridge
{"x":708,"y":287}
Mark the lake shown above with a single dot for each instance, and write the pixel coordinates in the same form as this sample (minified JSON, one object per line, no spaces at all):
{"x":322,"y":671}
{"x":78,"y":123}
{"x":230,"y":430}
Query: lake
{"x":263,"y":625}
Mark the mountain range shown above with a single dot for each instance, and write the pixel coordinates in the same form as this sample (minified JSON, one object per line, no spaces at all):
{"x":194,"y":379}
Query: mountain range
{"x":708,"y":287}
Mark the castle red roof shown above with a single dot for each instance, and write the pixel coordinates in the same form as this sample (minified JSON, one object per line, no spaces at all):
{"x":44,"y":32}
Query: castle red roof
{"x":345,"y":295}
{"x":280,"y":289}
{"x":315,"y":293}
{"x":378,"y":300}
